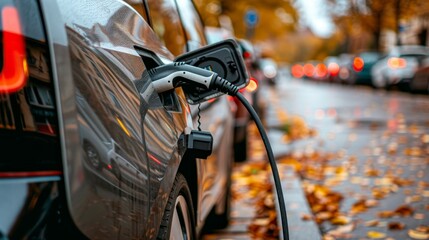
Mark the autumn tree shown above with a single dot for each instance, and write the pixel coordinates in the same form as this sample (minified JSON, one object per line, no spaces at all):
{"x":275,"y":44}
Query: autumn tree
{"x":374,"y":16}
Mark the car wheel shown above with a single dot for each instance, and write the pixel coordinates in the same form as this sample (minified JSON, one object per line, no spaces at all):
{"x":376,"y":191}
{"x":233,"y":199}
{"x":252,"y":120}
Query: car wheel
{"x":177,"y":221}
{"x":92,"y":155}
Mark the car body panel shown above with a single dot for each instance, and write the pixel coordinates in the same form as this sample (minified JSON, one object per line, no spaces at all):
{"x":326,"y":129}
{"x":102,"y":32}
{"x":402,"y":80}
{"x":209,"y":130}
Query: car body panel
{"x":117,"y":202}
{"x":216,"y":116}
{"x":118,"y":149}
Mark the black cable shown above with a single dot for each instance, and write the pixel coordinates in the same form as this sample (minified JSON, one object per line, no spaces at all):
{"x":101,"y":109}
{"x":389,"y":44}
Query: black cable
{"x":199,"y":116}
{"x":272,"y":161}
{"x":224,"y":86}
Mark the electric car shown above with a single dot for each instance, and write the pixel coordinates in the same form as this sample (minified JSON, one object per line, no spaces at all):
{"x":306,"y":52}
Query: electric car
{"x":73,"y":75}
{"x":398,"y":66}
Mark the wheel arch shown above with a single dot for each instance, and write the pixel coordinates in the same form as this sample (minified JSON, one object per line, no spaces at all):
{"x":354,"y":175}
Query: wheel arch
{"x":188,"y":168}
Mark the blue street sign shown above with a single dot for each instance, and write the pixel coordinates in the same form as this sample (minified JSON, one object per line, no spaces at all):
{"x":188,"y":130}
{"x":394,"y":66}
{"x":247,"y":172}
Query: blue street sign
{"x":251,"y":18}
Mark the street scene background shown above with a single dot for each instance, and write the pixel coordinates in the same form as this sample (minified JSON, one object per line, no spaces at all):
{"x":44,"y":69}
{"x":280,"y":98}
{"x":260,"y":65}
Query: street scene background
{"x":352,"y":149}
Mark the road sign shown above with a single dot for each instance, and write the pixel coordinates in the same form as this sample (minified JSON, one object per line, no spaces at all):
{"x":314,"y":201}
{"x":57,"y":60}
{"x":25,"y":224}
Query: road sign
{"x":251,"y":18}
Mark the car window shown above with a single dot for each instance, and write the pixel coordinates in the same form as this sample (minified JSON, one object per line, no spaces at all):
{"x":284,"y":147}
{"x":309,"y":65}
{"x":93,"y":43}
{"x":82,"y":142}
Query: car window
{"x":192,"y":24}
{"x":165,"y":22}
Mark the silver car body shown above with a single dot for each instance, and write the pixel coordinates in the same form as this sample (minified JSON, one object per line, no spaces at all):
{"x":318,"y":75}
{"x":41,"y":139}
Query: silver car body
{"x":105,"y":35}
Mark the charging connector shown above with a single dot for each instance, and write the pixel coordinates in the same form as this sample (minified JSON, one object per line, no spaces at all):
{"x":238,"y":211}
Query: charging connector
{"x":178,"y":74}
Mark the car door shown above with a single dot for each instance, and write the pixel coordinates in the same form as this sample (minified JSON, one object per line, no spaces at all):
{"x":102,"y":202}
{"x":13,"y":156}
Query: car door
{"x":98,"y":68}
{"x":187,"y":34}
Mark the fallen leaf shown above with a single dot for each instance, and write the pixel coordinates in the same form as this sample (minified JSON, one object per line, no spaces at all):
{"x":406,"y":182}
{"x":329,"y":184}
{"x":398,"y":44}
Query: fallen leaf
{"x":424,"y":229}
{"x":411,"y":199}
{"x":413,"y":151}
{"x":372,"y":223}
{"x":375,"y":235}
{"x":425,"y":138}
{"x":404,"y":211}
{"x":306,"y":217}
{"x":395,"y":226}
{"x":419,"y":216}
{"x":402,"y":182}
{"x":386,"y":214}
{"x":414,"y":234}
{"x":358,"y":207}
{"x":340,"y":220}
{"x":371,"y":172}
{"x":342,"y":231}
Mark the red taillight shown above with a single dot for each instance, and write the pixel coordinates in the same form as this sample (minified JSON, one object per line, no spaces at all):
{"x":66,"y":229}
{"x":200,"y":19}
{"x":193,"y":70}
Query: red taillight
{"x":395,"y":63}
{"x":333,"y":69}
{"x":29,"y":174}
{"x":358,"y":64}
{"x":297,"y":71}
{"x":14,"y":74}
{"x":321,"y":70}
{"x":247,"y":55}
{"x":253,"y":85}
{"x":309,"y":70}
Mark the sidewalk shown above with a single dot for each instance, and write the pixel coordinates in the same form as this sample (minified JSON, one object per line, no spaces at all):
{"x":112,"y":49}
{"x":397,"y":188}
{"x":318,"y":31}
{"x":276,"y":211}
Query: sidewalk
{"x":243,"y":212}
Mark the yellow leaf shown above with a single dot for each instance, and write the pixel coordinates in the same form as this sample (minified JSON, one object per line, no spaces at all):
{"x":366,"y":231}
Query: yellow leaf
{"x":375,"y":235}
{"x":340,"y":220}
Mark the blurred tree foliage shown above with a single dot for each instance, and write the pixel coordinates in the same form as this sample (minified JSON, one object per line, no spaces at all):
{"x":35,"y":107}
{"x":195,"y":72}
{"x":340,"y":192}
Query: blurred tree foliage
{"x":360,"y":24}
{"x":359,"y":18}
{"x":277,"y":19}
{"x":277,"y":33}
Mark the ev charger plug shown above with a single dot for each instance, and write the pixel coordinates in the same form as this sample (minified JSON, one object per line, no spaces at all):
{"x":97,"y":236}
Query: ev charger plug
{"x":180,"y":74}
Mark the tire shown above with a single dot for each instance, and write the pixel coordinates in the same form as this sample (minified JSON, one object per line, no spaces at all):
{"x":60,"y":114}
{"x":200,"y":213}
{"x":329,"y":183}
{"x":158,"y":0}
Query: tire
{"x":177,"y":221}
{"x":92,"y":155}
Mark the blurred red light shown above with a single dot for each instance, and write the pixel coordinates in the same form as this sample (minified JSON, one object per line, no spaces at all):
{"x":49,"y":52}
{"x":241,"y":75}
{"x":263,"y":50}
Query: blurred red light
{"x":358,"y":64}
{"x":14,"y":74}
{"x":319,"y":114}
{"x":253,"y":85}
{"x":247,"y":55}
{"x":297,"y":71}
{"x":309,"y":70}
{"x":321,"y":70}
{"x":333,"y":69}
{"x":396,"y":63}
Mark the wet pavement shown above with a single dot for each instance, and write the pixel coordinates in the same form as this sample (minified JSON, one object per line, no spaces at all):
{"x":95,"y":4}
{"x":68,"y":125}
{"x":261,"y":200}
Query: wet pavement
{"x":380,"y":141}
{"x":378,"y":147}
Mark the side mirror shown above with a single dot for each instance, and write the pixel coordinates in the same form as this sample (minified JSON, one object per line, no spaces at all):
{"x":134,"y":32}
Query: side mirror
{"x":223,"y":58}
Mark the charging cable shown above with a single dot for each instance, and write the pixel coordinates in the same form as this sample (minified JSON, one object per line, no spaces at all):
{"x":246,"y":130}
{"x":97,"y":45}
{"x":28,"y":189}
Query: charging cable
{"x":170,"y":76}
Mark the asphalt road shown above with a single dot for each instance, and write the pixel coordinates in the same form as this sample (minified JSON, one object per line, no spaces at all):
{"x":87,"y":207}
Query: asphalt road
{"x":381,"y":139}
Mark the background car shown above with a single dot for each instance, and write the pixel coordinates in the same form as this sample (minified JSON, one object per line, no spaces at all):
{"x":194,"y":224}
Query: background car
{"x":269,"y":70}
{"x":420,"y":81}
{"x":398,"y":66}
{"x":361,"y":67}
{"x":87,"y":67}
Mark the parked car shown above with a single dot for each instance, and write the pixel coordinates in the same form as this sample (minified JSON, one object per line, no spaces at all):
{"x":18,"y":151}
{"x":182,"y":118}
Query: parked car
{"x":269,"y":70}
{"x":362,"y":65}
{"x":73,"y":73}
{"x":398,"y":66}
{"x":420,"y":81}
